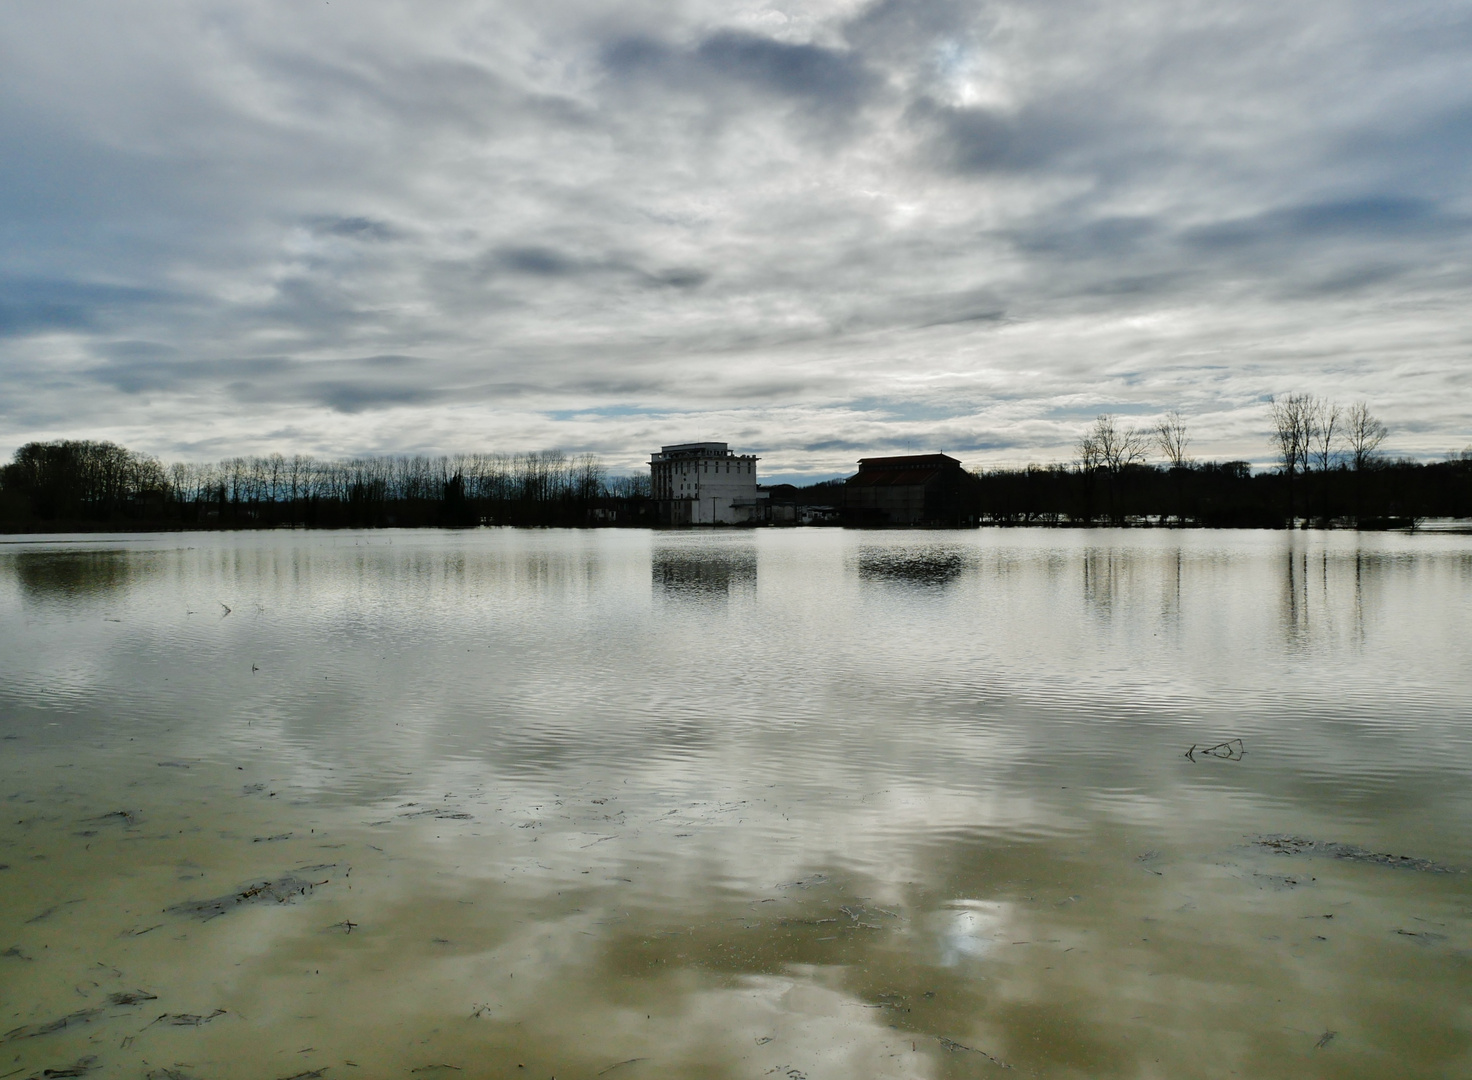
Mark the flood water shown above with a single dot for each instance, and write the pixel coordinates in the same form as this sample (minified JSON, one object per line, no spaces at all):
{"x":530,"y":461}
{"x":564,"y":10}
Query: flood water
{"x":797,"y":804}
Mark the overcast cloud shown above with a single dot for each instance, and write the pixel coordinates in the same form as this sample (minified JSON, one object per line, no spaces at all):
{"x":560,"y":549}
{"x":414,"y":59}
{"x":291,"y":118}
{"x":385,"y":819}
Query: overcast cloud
{"x":813,"y":230}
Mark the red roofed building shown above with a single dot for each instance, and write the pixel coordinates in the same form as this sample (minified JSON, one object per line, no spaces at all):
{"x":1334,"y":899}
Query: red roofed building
{"x":919,"y":489}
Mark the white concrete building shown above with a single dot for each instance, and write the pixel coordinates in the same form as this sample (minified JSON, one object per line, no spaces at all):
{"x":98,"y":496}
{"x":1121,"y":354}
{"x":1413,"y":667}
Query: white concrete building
{"x":704,"y":484}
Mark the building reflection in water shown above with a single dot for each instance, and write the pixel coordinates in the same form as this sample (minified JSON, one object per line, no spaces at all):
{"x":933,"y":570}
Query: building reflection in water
{"x":705,"y":571}
{"x":931,"y":566}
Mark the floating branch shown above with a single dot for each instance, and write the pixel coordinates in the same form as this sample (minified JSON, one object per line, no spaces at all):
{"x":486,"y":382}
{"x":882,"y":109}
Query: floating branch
{"x":1231,"y":750}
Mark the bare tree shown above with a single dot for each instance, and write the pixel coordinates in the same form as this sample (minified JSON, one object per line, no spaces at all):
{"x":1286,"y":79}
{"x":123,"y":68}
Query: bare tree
{"x":1108,"y":447}
{"x":1089,"y":455}
{"x":1292,"y":427}
{"x":1292,"y":424}
{"x":587,"y":477}
{"x":1171,"y":437}
{"x":1363,"y":434}
{"x":1324,"y":419}
{"x":1325,"y":425}
{"x":1115,"y":447}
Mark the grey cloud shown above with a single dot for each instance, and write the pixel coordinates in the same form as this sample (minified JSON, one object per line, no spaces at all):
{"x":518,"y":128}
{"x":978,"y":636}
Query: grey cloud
{"x":432,"y":93}
{"x":824,"y":80}
{"x":983,"y":140}
{"x":1112,"y":236}
{"x":354,"y":228}
{"x":835,"y":79}
{"x":820,"y":445}
{"x":904,"y":26}
{"x":31,"y":306}
{"x":137,"y":351}
{"x":358,"y":396}
{"x":681,"y":277}
{"x":349,"y":385}
{"x":150,"y":373}
{"x":1377,"y":218}
{"x":542,"y":262}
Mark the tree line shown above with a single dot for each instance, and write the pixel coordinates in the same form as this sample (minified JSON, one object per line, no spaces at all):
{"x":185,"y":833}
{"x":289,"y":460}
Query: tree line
{"x":1329,"y":472}
{"x":83,"y":483}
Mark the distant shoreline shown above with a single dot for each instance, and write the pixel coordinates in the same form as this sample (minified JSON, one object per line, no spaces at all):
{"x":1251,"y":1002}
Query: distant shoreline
{"x":82,"y":532}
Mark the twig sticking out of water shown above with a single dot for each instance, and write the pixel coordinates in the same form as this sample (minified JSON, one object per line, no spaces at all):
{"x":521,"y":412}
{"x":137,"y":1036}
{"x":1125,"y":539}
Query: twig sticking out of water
{"x":1231,"y":750}
{"x":953,"y":1046}
{"x":620,"y":1064}
{"x":1325,"y":1039}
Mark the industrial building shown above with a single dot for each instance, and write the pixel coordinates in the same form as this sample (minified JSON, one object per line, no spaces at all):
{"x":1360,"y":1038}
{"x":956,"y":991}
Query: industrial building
{"x":704,"y":483}
{"x":919,"y":489}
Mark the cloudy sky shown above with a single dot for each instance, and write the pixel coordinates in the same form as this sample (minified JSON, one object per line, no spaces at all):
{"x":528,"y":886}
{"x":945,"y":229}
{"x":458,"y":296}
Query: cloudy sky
{"x":815,"y":230}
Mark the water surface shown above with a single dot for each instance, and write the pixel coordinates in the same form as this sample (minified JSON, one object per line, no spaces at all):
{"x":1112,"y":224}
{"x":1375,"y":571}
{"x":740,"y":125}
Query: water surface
{"x":796,"y":804}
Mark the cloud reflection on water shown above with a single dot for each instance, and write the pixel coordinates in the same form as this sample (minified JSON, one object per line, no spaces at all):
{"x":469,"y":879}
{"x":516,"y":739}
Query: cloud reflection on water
{"x":741,"y":787}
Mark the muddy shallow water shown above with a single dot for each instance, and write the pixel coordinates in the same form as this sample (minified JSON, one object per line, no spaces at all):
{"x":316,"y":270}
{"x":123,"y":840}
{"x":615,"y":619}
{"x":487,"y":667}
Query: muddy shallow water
{"x":795,"y":804}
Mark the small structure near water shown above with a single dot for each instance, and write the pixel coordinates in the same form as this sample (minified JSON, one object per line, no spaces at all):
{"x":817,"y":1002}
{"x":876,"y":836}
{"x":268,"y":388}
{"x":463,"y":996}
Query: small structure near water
{"x":705,"y":483}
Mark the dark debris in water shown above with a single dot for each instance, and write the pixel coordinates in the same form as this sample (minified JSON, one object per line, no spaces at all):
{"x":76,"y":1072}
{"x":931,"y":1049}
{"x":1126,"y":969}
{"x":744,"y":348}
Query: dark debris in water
{"x":805,"y":883}
{"x":1425,"y":937}
{"x":1283,"y":844}
{"x":1231,"y":750}
{"x":282,"y":890}
{"x":81,"y":1016}
{"x":440,"y":814}
{"x":954,"y":1047}
{"x":31,"y":1031}
{"x":620,"y":1064}
{"x":1278,"y":880}
{"x":81,"y":1067}
{"x":131,"y":997}
{"x":115,"y":817}
{"x":187,"y":1019}
{"x":52,"y":910}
